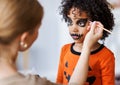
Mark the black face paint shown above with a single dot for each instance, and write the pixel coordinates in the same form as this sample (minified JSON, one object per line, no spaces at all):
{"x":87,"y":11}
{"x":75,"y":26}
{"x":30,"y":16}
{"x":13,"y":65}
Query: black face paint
{"x":81,"y":22}
{"x":76,"y":36}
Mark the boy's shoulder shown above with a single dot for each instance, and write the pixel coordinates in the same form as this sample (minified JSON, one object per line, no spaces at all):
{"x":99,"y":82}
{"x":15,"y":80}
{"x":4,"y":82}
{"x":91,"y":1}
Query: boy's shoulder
{"x":67,"y":45}
{"x":107,"y":50}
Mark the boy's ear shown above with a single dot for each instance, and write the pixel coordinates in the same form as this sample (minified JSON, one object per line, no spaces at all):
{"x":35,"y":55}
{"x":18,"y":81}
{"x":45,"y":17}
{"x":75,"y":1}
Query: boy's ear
{"x":89,"y":25}
{"x":23,"y":41}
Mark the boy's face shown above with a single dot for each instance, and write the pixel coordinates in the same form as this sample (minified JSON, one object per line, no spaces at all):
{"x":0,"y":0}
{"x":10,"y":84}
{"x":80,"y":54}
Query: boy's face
{"x":77,"y":23}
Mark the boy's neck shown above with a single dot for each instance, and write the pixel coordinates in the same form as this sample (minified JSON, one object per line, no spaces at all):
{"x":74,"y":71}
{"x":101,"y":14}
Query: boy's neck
{"x":96,"y":46}
{"x":78,"y":47}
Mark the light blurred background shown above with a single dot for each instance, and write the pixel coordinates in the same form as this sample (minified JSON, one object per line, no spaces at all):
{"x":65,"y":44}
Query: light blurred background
{"x":43,"y":57}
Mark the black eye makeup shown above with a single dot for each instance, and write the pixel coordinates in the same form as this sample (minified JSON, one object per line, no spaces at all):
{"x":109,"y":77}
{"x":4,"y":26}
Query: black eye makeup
{"x":82,"y":22}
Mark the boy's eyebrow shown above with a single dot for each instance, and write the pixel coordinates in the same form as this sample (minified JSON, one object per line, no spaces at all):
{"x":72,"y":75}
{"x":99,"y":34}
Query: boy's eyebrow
{"x":77,"y":18}
{"x":82,"y":19}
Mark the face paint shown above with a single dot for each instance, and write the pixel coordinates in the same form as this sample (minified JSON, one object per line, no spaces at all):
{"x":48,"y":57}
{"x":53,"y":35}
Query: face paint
{"x":80,"y":22}
{"x":76,"y":36}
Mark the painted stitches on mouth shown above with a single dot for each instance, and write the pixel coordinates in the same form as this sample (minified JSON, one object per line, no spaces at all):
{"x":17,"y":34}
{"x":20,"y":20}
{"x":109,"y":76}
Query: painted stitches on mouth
{"x":76,"y":36}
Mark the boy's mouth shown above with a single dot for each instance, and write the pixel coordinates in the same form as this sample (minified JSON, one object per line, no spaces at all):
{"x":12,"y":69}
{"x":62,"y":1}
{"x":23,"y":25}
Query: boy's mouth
{"x":76,"y":36}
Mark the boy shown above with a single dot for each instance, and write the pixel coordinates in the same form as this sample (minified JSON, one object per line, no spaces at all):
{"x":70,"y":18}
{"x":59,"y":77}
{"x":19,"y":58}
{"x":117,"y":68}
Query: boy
{"x":78,"y":14}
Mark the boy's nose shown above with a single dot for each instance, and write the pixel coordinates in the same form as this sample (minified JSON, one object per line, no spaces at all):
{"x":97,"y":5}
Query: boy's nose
{"x":75,"y":28}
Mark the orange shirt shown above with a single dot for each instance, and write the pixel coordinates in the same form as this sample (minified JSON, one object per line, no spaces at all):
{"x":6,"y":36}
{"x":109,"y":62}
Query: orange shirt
{"x":101,"y":66}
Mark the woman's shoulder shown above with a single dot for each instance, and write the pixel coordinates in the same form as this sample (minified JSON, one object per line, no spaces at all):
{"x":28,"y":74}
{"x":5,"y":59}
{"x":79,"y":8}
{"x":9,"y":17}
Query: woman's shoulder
{"x":29,"y":79}
{"x":37,"y":80}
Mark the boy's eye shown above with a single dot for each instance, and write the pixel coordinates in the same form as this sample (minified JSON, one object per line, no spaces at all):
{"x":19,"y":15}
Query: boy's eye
{"x":82,"y":22}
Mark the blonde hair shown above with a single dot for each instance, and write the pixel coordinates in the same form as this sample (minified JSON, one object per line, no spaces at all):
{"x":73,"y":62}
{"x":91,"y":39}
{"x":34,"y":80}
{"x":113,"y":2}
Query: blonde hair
{"x":17,"y":17}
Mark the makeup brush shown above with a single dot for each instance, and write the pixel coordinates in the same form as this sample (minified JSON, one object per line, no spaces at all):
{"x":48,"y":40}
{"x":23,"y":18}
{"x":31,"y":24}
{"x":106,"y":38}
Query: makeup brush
{"x":106,"y":30}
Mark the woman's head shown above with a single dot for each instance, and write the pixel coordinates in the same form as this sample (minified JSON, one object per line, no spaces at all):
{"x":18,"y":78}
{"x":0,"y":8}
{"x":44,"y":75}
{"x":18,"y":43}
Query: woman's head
{"x":96,"y":10}
{"x":17,"y":17}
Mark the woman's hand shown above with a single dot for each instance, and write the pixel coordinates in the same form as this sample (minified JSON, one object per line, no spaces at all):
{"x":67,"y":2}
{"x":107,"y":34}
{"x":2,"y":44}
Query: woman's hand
{"x":94,"y":34}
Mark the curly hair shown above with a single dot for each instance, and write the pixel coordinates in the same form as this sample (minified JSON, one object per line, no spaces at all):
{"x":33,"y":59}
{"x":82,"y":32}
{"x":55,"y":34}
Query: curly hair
{"x":96,"y":10}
